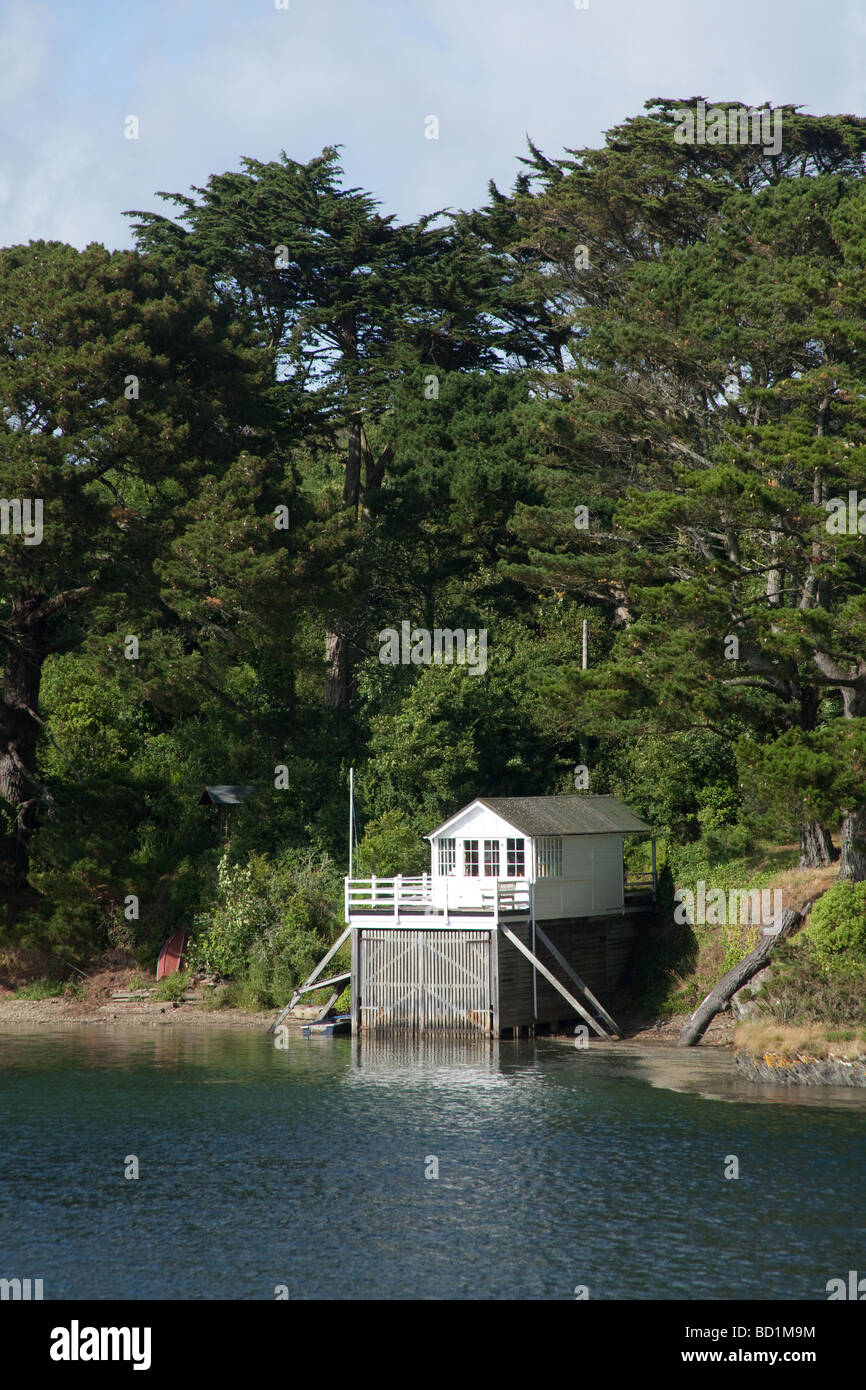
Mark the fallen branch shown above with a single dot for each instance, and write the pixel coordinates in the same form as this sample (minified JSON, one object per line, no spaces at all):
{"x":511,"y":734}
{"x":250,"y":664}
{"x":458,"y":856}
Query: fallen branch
{"x":783,"y":925}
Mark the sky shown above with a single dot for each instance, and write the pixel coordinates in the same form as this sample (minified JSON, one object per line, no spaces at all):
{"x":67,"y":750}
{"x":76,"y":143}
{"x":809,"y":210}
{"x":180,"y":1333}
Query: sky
{"x":210,"y":81}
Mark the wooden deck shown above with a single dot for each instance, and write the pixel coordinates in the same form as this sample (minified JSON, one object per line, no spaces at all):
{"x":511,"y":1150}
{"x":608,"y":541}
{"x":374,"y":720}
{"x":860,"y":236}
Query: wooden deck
{"x":442,"y":902}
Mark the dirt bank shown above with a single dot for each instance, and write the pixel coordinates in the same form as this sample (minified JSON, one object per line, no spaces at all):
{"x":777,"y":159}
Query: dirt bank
{"x":113,"y":974}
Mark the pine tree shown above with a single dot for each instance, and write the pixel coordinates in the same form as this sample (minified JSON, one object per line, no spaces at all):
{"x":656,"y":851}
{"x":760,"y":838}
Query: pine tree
{"x":122,"y":385}
{"x":714,"y":401}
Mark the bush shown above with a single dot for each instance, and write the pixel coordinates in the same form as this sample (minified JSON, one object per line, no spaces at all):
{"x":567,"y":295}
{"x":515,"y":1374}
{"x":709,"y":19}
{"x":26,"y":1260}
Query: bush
{"x":801,"y":990}
{"x":272,"y":924}
{"x":171,"y":987}
{"x":390,"y":846}
{"x":837,"y":926}
{"x":40,"y":989}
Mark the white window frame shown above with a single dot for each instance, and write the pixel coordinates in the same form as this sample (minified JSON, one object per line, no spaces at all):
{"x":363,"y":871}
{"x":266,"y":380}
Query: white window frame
{"x":511,"y":855}
{"x":467,"y":848}
{"x":491,"y":854}
{"x":447,"y":857}
{"x":548,"y":856}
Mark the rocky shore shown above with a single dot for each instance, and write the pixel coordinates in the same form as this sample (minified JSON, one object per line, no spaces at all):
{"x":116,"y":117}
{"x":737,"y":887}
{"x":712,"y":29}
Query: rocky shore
{"x":801,"y":1069}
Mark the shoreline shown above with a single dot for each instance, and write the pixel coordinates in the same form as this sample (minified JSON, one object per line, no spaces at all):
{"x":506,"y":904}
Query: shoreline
{"x":18,"y":1015}
{"x":21,"y":1015}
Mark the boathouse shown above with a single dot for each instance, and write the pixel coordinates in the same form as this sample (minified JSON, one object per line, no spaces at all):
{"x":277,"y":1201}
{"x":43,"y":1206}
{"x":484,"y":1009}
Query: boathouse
{"x":525,"y":918}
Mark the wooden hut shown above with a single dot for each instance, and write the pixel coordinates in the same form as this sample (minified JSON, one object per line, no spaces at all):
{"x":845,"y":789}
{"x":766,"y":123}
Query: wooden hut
{"x":225,"y":798}
{"x":525,"y":918}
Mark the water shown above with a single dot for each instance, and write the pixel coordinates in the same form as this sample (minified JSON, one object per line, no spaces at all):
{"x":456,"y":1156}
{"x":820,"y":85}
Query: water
{"x":306,"y":1168}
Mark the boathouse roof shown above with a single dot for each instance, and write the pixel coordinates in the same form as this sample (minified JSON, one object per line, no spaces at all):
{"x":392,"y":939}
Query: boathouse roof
{"x":560,"y":815}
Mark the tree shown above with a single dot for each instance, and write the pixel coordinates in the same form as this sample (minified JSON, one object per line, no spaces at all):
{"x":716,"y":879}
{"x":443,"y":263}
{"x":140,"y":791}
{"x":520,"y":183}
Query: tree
{"x":122,"y":385}
{"x":345,"y":301}
{"x":720,"y":391}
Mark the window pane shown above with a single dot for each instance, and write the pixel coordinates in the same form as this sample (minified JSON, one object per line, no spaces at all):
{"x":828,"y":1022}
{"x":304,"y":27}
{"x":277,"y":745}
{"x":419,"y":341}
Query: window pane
{"x":470,"y":858}
{"x":447,"y":856}
{"x":549,"y":856}
{"x":491,"y":858}
{"x":514,"y":855}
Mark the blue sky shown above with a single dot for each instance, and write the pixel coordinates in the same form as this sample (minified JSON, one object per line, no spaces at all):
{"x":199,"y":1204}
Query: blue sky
{"x":212,"y":80}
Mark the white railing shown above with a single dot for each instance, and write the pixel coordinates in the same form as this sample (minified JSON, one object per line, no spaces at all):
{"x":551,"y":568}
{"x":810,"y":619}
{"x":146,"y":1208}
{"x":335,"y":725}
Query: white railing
{"x":512,"y":895}
{"x":387,"y":896}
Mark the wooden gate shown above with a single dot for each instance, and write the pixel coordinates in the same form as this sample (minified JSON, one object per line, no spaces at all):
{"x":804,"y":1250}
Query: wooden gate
{"x":419,"y":980}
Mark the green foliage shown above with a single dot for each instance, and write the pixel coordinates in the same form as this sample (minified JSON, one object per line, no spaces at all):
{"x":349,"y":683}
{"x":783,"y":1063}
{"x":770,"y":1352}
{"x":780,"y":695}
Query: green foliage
{"x":390,"y":846}
{"x":223,"y":996}
{"x":306,"y":382}
{"x":837,"y":927}
{"x":40,"y":989}
{"x":665,"y":956}
{"x":271,"y":924}
{"x":171,"y":987}
{"x":802,"y":990}
{"x":683,"y":782}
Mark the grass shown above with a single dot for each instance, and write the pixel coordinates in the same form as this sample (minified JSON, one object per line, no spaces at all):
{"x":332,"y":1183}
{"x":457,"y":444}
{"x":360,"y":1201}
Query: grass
{"x":40,"y":989}
{"x":693,"y":958}
{"x":171,"y":987}
{"x":810,"y":1040}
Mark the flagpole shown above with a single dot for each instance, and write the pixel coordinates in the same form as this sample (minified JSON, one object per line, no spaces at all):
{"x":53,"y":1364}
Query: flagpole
{"x":351,"y":816}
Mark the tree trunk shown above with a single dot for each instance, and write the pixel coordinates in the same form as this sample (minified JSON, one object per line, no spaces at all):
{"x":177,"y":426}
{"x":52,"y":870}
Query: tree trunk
{"x":337,"y":648}
{"x":352,"y":484}
{"x":816,"y":846}
{"x":852,"y":864}
{"x":728,"y":985}
{"x":338,"y":674}
{"x":22,"y":673}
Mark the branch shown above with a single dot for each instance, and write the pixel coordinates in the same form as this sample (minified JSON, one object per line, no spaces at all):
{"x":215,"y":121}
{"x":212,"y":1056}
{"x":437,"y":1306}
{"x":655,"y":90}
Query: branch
{"x":60,"y":601}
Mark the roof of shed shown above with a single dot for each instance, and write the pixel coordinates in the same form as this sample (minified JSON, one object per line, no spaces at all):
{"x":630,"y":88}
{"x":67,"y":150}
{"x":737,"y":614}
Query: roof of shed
{"x":560,"y":815}
{"x":224,"y":796}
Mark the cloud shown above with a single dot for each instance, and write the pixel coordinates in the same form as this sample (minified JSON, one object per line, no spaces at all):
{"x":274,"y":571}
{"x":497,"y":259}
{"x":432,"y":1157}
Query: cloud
{"x":210,"y":83}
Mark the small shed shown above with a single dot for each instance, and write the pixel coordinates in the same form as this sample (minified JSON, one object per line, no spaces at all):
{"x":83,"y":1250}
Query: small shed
{"x":570,"y":848}
{"x":224,"y":797}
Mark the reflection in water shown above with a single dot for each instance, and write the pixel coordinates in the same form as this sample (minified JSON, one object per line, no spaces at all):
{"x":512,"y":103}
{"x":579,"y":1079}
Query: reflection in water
{"x":712,"y":1074}
{"x":381,"y":1052}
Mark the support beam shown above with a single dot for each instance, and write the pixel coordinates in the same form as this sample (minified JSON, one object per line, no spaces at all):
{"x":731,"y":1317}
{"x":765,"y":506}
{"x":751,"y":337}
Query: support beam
{"x":323,"y":1013}
{"x":573,"y":975}
{"x":323,"y":984}
{"x":543,"y":970}
{"x":309,"y":980}
{"x":356,"y":983}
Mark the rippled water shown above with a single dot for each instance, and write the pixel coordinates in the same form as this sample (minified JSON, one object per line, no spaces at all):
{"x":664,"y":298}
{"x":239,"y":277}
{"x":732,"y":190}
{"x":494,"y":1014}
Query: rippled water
{"x":306,"y":1168}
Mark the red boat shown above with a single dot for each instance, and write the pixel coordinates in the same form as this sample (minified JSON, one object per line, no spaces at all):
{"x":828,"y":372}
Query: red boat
{"x":171,"y":955}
